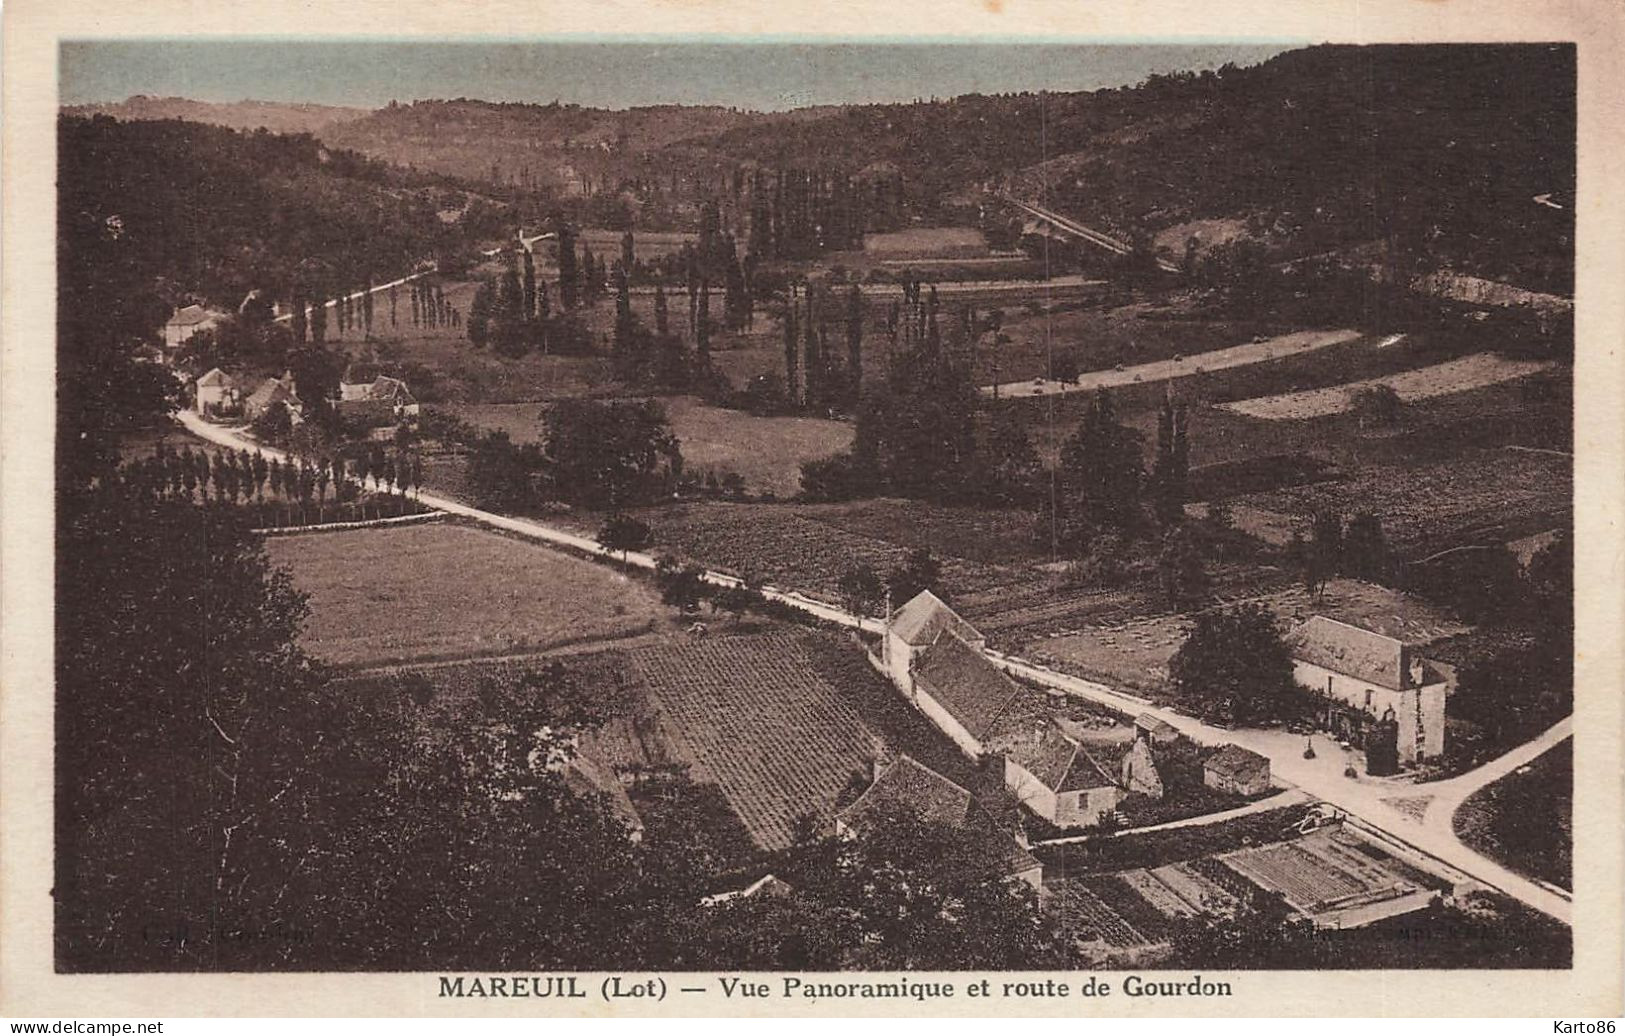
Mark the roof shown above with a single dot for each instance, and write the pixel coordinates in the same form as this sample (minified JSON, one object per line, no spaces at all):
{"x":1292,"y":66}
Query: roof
{"x":908,"y":785}
{"x":381,"y":389}
{"x":189,"y":315}
{"x":964,"y":682}
{"x":1349,"y":650}
{"x":924,"y":618}
{"x":585,"y":776}
{"x":1236,"y":761}
{"x":1058,"y":762}
{"x":1147,"y":721}
{"x":272,"y":390}
{"x":216,"y":376}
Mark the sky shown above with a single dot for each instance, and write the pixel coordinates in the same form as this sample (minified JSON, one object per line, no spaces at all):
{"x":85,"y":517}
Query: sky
{"x":763,"y":76}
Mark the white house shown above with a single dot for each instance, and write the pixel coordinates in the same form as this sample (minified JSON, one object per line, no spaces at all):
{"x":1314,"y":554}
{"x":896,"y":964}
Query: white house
{"x":907,"y":786}
{"x":1367,"y":678}
{"x":218,"y":391}
{"x":1058,"y":778}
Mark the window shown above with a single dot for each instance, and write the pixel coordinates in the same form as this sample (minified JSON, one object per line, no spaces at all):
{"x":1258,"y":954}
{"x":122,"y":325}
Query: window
{"x":1370,"y":697}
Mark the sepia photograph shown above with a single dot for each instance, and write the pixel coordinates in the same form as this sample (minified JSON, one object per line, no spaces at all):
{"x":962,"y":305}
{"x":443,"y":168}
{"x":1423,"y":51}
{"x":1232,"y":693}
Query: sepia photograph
{"x":537,"y":505}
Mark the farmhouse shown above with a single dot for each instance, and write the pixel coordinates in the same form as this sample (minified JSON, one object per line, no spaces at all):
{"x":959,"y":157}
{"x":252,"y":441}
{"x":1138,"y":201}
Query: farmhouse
{"x":1235,"y":769}
{"x":217,"y":392}
{"x":936,"y":659}
{"x":271,"y":391}
{"x":1058,"y":778}
{"x":1375,"y":688}
{"x":908,"y":787}
{"x":186,"y":322}
{"x":383,"y":401}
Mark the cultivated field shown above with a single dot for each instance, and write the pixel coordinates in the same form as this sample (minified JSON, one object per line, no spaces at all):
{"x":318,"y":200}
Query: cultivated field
{"x":646,"y":244}
{"x":1440,"y":379}
{"x":1481,"y":497}
{"x":755,"y":712}
{"x":418,"y":593}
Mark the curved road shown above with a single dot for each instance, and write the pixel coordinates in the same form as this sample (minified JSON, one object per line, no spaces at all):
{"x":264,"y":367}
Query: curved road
{"x":1322,"y":777}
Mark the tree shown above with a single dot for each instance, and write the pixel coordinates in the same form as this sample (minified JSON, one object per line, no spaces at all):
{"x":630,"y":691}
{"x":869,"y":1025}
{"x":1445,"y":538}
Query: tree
{"x":861,"y":589}
{"x":529,"y":307}
{"x":569,"y":276}
{"x":1180,"y":570}
{"x":661,"y":320}
{"x":702,"y":325}
{"x":1101,"y":476}
{"x":1234,"y":666}
{"x":1168,"y":475}
{"x":854,"y":344}
{"x":624,"y":533}
{"x":791,"y":348}
{"x":683,"y":588}
{"x":609,"y":454}
{"x":1376,"y":405}
{"x":479,"y":316}
{"x":919,"y":571}
{"x":1320,"y":557}
{"x":1365,"y":549}
{"x":179,"y":609}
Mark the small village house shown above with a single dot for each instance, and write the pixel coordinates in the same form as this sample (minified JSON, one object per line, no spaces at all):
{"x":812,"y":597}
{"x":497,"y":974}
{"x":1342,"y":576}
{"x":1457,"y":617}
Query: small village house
{"x":910,"y":787}
{"x":217,"y":393}
{"x":186,"y":322}
{"x":1138,"y":773}
{"x":1237,"y":770}
{"x":1372,"y":687}
{"x":382,"y":404}
{"x":271,"y":391}
{"x":1057,"y":777}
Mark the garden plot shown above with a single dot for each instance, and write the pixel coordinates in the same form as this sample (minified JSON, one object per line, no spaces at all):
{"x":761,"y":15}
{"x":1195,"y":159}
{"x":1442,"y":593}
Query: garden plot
{"x":1332,"y":879}
{"x":1440,"y":379}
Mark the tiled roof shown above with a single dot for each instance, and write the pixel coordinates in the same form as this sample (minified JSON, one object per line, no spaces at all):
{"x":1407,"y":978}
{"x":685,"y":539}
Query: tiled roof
{"x":1349,"y":650}
{"x":271,"y":391}
{"x":908,"y":785}
{"x":965,"y":683}
{"x":924,"y":618}
{"x":1234,"y":761}
{"x":1086,"y":772}
{"x":1046,"y":753}
{"x":216,"y":376}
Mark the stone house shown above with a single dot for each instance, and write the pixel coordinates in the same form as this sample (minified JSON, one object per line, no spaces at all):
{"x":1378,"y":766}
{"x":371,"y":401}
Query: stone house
{"x":1370,"y":683}
{"x":1237,"y":770}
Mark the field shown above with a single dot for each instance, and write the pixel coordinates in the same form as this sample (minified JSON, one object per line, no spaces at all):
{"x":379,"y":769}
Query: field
{"x":1102,"y":338}
{"x":1442,"y":379}
{"x":1480,"y":497}
{"x":1332,"y":878}
{"x":646,"y":244}
{"x":419,"y":593}
{"x":767,"y":451}
{"x":778,"y":740}
{"x":926,"y":243}
{"x":1526,"y":819}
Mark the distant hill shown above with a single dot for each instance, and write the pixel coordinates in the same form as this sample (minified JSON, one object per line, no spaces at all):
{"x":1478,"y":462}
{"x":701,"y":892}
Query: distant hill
{"x":205,"y":212}
{"x":246,"y":115}
{"x":1442,"y":147}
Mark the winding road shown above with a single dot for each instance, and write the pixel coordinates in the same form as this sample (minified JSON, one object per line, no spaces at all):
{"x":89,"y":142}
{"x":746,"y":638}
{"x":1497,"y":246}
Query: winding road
{"x":1371,"y":800}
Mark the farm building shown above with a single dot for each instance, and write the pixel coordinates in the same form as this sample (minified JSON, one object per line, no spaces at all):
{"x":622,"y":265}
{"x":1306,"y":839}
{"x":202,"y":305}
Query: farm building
{"x":908,"y":787}
{"x":1057,"y":777}
{"x":1236,"y":770}
{"x":218,"y":392}
{"x":271,"y":391}
{"x":1138,"y":773}
{"x":587,"y":777}
{"x":1154,"y":729}
{"x":915,"y":626}
{"x":186,"y":322}
{"x":1374,"y":687}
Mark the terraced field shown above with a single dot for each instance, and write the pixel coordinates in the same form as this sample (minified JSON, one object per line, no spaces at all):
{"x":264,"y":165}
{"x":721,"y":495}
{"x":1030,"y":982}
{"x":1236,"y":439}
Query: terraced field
{"x":1440,"y":379}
